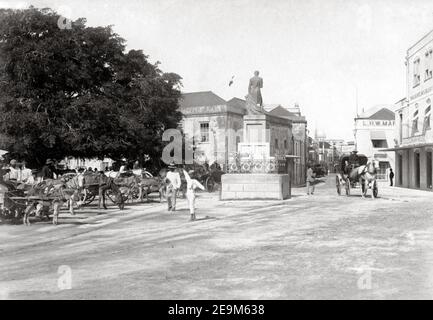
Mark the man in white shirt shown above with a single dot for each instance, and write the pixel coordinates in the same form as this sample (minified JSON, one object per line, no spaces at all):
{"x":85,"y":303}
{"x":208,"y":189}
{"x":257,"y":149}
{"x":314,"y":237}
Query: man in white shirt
{"x":173,"y":180}
{"x":14,"y":171}
{"x":192,"y":184}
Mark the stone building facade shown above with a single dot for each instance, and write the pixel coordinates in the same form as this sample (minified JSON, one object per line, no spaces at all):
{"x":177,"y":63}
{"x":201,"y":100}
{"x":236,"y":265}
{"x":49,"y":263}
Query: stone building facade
{"x":414,"y":134}
{"x":214,"y":126}
{"x":299,"y":140}
{"x":217,"y":126}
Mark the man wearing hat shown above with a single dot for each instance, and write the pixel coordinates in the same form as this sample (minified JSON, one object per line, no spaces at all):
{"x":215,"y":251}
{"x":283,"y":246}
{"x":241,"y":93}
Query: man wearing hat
{"x":173,"y":181}
{"x":48,"y":170}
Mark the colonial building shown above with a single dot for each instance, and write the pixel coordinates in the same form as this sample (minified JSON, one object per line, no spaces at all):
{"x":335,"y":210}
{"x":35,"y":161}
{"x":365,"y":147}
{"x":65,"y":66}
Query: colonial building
{"x":299,"y":139}
{"x":216,"y":124}
{"x":374,"y":132}
{"x":216,"y":128}
{"x":414,"y":135}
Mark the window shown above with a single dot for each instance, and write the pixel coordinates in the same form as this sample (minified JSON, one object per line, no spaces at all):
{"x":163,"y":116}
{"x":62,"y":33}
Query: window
{"x":427,"y":113}
{"x":416,"y":73}
{"x":379,"y":143}
{"x":285,"y":144}
{"x":204,"y":131}
{"x":276,"y":144}
{"x":428,"y":65}
{"x":415,"y":120}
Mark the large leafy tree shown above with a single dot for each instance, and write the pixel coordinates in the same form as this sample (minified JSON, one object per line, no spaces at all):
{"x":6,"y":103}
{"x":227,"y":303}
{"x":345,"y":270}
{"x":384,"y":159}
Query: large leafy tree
{"x":77,"y":92}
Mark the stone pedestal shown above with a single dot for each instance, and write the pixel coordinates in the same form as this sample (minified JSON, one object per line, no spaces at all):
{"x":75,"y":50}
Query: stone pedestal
{"x":255,"y":186}
{"x":255,"y":173}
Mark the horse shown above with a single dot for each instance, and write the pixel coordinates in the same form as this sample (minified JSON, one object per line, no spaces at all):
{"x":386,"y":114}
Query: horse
{"x":367,"y":177}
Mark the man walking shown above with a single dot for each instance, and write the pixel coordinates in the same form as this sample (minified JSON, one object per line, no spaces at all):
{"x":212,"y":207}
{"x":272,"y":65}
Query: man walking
{"x":173,"y":180}
{"x":310,"y":180}
{"x":192,"y":184}
{"x":391,"y":177}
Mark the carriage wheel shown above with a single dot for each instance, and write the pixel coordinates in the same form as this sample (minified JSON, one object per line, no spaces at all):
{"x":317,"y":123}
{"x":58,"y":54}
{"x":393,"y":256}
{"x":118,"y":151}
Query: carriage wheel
{"x":338,"y":185}
{"x":134,"y":192}
{"x":375,"y":190}
{"x":210,"y":184}
{"x":90,"y":196}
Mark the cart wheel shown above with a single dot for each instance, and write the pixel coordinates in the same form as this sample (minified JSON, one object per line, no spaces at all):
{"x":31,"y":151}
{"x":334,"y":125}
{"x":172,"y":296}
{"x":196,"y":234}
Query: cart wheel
{"x":90,"y":196}
{"x":210,"y":184}
{"x":338,"y":185}
{"x":375,"y":190}
{"x":110,"y":195}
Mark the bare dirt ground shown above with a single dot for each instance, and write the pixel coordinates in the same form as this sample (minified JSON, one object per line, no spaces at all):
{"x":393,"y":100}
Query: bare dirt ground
{"x":323,"y":246}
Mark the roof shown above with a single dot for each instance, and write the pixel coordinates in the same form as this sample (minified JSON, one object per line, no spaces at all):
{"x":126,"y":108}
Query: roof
{"x":199,"y":99}
{"x":237,"y":103}
{"x":281,"y":112}
{"x":378,"y":113}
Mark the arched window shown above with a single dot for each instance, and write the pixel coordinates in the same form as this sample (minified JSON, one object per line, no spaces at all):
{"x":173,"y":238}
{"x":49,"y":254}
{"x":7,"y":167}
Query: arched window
{"x":428,"y":74}
{"x":427,"y":113}
{"x":415,"y":120}
{"x":416,"y":71}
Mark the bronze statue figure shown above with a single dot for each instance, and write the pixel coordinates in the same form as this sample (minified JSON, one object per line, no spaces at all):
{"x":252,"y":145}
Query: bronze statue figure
{"x":254,"y":99}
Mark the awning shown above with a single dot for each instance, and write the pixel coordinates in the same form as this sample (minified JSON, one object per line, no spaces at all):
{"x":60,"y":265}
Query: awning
{"x":409,"y":146}
{"x":377,"y":135}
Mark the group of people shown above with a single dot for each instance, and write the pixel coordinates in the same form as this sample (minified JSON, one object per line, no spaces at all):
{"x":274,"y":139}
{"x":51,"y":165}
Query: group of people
{"x":17,"y":172}
{"x":173,"y":182}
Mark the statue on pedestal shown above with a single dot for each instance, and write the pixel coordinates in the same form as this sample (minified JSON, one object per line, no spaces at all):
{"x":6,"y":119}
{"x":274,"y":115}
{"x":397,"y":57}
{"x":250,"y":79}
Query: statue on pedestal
{"x":254,"y":101}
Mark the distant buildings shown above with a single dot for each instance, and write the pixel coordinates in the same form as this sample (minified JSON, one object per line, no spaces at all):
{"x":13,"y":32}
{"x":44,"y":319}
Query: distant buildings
{"x":375,"y":131}
{"x":414,"y":136}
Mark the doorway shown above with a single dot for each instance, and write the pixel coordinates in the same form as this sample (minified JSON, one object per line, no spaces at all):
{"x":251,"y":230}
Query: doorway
{"x":417,"y":170}
{"x":429,"y":169}
{"x":400,"y":170}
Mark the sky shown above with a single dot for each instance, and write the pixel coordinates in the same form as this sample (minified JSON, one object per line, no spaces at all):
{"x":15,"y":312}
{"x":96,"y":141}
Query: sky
{"x":321,"y":54}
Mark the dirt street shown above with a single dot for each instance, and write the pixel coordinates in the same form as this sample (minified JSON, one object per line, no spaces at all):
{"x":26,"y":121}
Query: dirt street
{"x":322,"y":246}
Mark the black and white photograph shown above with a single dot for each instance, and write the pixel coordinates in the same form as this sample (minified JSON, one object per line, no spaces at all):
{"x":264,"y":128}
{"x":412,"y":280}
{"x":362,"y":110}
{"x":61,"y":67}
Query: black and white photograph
{"x":216,"y":150}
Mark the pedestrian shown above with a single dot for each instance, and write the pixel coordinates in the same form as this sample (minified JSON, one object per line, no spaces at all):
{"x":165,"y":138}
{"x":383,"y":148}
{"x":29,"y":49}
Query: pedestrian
{"x":26,"y":173}
{"x":173,"y":180}
{"x":391,"y":177}
{"x":48,"y":170}
{"x":14,"y":171}
{"x":310,"y":180}
{"x":191,"y":185}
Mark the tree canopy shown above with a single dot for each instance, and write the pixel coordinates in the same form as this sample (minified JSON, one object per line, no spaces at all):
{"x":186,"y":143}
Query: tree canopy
{"x":77,"y":92}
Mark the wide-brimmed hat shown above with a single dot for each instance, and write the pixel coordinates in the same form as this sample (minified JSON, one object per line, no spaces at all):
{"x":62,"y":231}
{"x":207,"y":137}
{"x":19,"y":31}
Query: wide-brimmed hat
{"x":172,"y":165}
{"x":49,"y":161}
{"x":13,"y":161}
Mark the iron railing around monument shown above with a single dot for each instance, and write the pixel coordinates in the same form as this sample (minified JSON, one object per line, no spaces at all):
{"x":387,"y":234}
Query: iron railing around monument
{"x":238,"y":164}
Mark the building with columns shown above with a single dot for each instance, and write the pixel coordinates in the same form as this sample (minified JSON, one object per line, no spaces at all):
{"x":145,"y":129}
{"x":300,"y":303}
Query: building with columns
{"x":414,"y":135}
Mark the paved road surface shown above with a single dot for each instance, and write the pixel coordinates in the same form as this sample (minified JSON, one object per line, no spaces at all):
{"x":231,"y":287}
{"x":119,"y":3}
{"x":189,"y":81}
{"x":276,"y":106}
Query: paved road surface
{"x":308,"y":247}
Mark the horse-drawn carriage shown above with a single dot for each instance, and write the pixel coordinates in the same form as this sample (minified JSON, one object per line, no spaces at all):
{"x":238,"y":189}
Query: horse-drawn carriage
{"x":356,"y":169}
